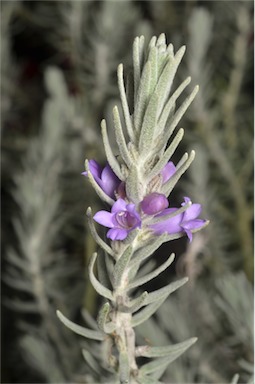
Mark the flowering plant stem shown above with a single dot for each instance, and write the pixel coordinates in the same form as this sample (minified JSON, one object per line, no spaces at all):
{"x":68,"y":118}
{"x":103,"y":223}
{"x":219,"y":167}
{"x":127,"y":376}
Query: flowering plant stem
{"x":136,"y":184}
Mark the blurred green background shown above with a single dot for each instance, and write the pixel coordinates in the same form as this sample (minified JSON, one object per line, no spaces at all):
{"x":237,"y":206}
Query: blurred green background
{"x":58,"y":63}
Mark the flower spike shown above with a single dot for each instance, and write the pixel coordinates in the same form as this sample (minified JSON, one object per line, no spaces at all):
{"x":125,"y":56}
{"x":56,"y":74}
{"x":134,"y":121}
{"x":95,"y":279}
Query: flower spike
{"x":136,"y":183}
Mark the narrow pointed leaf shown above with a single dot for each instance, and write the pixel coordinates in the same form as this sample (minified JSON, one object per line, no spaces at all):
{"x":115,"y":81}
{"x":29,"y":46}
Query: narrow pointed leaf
{"x":149,"y":124}
{"x":170,"y":105}
{"x":89,"y":319}
{"x":108,"y":151}
{"x":142,"y":97}
{"x":95,"y":235}
{"x":169,"y":185}
{"x":147,"y":312}
{"x":153,"y":58}
{"x":21,"y":285}
{"x":82,"y":331}
{"x":166,"y":78}
{"x":183,"y":159}
{"x":17,"y":261}
{"x":170,"y":350}
{"x":124,"y":368}
{"x":132,"y":185}
{"x":147,"y":250}
{"x":120,"y":138}
{"x":103,"y":319}
{"x":136,"y":304}
{"x":91,"y":361}
{"x":235,"y":379}
{"x":124,"y":103}
{"x":179,"y":113}
{"x":102,"y":270}
{"x":161,"y":40}
{"x":144,"y":379}
{"x":138,"y":48}
{"x":109,"y":267}
{"x":102,"y":290}
{"x":161,"y":363}
{"x":121,"y":265}
{"x":167,"y":290}
{"x":142,"y":280}
{"x":167,"y":154}
{"x":21,"y":306}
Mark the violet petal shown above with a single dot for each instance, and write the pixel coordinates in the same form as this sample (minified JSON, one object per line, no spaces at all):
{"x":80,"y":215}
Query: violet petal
{"x":119,"y":205}
{"x":95,"y":168}
{"x":170,"y":226}
{"x":117,"y":234}
{"x":104,"y":218}
{"x":192,"y":212}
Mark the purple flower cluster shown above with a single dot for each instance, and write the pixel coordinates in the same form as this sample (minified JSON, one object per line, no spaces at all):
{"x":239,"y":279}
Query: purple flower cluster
{"x":183,"y":222}
{"x":105,"y":177}
{"x":122,"y":219}
{"x":125,"y":216}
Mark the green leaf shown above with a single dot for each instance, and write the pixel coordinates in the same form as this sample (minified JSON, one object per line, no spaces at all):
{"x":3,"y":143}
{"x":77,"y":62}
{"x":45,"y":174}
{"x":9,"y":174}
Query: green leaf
{"x":147,"y":312}
{"x":108,"y":151}
{"x":147,"y":250}
{"x":21,"y":306}
{"x":136,"y":304}
{"x":21,"y":285}
{"x":235,"y":379}
{"x":121,"y":265}
{"x":90,"y":360}
{"x":142,"y":97}
{"x":103,"y":319}
{"x":161,"y":41}
{"x":167,"y":290}
{"x":120,"y":138}
{"x":17,"y":261}
{"x":149,"y":124}
{"x":144,"y":279}
{"x":166,"y":78}
{"x":159,"y":363}
{"x":133,"y":185}
{"x":170,"y":350}
{"x":179,"y":113}
{"x":170,"y":105}
{"x":102,"y":270}
{"x":169,"y":185}
{"x":153,"y":58}
{"x":124,"y":368}
{"x":82,"y":331}
{"x":167,"y":154}
{"x":103,"y":291}
{"x":88,"y":318}
{"x":143,"y":379}
{"x":124,"y":103}
{"x":95,"y":235}
{"x":138,"y":51}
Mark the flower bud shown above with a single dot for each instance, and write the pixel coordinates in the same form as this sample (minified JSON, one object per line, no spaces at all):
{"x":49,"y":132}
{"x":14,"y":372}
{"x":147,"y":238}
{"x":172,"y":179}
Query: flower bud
{"x":154,"y":203}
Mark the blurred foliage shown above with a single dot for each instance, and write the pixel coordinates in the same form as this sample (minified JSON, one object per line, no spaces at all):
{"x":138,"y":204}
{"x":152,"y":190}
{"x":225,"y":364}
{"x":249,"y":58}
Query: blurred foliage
{"x":58,"y":73}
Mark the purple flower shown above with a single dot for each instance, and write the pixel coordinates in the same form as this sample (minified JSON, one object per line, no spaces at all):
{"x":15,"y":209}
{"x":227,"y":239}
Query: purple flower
{"x":168,"y":171}
{"x":122,"y":219}
{"x":154,"y":203}
{"x":183,"y":222}
{"x":105,"y":177}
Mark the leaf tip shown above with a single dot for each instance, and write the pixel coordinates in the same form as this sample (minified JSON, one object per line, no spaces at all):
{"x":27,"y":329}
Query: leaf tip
{"x":89,"y":212}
